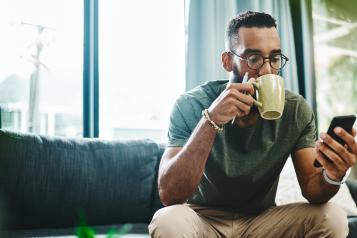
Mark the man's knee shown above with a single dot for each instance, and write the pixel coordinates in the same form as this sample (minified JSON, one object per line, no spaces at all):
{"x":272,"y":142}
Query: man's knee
{"x":329,"y":219}
{"x":174,"y":221}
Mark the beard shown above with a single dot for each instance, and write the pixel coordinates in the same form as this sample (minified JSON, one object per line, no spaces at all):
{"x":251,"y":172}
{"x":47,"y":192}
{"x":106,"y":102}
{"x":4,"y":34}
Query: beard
{"x":236,"y":75}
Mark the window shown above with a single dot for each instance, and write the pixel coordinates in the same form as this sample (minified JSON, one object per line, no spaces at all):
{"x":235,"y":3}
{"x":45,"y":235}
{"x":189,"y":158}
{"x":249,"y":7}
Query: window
{"x":141,"y":66}
{"x":41,"y":66}
{"x":335,"y":36}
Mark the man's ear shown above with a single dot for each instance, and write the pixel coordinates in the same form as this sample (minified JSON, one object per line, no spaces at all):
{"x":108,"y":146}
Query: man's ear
{"x":227,"y":61}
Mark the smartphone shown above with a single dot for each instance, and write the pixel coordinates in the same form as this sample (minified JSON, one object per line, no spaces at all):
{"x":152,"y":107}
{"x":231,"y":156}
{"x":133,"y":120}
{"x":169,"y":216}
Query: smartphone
{"x":345,"y":122}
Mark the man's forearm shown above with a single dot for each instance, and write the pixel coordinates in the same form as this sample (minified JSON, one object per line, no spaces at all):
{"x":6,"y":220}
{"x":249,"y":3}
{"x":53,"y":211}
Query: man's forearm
{"x":317,"y":190}
{"x":180,"y":176}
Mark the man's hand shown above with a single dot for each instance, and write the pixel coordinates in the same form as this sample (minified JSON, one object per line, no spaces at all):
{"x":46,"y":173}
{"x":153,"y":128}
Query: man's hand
{"x":341,"y":158}
{"x":235,"y":101}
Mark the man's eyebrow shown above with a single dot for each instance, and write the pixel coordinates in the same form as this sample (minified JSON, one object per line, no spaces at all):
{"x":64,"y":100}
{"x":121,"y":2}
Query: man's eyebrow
{"x":275,"y":51}
{"x":257,"y":51}
{"x":251,"y":51}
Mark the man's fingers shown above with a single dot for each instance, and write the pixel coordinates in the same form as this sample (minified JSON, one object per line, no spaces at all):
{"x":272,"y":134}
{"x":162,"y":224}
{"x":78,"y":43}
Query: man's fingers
{"x":244,"y":98}
{"x":323,"y":161}
{"x":335,"y":149}
{"x":240,"y":106}
{"x":237,"y":98}
{"x":247,"y":88}
{"x":251,"y":80}
{"x":333,"y":164}
{"x":243,"y":108}
{"x":354,"y":132}
{"x":331,"y":155}
{"x":243,"y":88}
{"x":348,"y":138}
{"x":237,"y":103}
{"x":237,"y":95}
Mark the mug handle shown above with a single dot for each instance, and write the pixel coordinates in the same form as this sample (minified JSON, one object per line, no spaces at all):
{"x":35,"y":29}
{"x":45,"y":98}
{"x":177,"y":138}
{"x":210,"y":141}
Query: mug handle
{"x":255,"y":102}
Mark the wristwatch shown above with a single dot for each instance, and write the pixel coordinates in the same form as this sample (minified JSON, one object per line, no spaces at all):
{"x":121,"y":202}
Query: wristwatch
{"x":334,"y":182}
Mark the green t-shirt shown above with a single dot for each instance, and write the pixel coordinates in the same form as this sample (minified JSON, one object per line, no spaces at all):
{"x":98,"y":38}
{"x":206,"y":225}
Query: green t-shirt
{"x":243,"y":168}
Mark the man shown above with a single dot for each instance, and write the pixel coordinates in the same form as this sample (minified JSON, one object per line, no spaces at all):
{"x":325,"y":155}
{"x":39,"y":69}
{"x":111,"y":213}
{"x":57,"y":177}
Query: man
{"x":223,"y":183}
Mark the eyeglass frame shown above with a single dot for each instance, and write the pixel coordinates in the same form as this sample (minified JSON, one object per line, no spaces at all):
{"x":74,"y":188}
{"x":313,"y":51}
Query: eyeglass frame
{"x":264,"y":60}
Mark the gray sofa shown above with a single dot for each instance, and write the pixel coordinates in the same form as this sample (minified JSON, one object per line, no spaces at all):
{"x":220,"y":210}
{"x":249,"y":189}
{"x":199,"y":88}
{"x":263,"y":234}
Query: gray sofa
{"x":46,"y":182}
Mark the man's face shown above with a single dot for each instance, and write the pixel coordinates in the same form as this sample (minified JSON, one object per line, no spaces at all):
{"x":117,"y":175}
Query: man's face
{"x":254,"y":40}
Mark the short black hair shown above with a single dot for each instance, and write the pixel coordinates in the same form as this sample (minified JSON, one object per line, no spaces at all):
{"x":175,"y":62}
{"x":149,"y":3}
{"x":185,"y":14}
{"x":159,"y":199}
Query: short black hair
{"x":246,"y":19}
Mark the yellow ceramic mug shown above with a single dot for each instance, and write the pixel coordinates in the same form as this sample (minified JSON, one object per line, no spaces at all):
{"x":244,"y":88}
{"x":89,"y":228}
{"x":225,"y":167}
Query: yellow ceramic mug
{"x":270,"y":94}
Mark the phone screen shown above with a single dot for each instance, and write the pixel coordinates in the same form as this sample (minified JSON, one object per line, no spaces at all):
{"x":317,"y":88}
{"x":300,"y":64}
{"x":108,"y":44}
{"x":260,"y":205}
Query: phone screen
{"x":346,"y":122}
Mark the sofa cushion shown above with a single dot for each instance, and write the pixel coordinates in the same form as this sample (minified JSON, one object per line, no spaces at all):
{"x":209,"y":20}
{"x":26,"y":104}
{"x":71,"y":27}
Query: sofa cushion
{"x":352,"y":225}
{"x":156,"y":205}
{"x":46,"y":181}
{"x":137,"y":230}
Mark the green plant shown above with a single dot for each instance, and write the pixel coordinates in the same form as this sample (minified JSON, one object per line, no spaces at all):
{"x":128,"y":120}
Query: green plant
{"x":84,"y":231}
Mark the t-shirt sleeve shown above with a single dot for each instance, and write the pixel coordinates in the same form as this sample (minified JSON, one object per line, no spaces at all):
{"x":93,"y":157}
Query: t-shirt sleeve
{"x":307,"y":125}
{"x":179,"y":130}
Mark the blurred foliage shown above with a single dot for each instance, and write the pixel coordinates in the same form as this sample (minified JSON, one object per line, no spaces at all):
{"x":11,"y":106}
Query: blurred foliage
{"x":336,"y":59}
{"x":85,"y":231}
{"x":344,"y":10}
{"x":344,"y":85}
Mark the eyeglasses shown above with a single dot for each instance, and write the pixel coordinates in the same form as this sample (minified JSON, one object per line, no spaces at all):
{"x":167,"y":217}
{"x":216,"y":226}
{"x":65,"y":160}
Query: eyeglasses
{"x":256,"y":61}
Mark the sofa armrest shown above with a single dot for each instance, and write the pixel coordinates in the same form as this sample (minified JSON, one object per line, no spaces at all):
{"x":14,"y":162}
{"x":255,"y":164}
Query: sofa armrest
{"x":352,"y":186}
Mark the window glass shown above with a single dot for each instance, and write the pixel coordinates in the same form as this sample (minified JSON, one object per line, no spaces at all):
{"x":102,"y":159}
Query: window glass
{"x":41,"y":66}
{"x":335,"y":37}
{"x":141,"y":55}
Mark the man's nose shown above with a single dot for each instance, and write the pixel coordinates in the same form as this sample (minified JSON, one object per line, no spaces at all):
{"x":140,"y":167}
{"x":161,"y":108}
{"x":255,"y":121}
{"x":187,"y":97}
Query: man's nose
{"x":266,"y":68}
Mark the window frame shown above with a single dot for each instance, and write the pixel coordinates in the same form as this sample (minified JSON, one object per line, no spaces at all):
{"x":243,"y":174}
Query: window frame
{"x":90,"y":70}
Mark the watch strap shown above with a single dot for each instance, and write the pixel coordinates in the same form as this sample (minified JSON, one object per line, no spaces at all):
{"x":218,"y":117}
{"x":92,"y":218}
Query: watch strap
{"x":334,"y":182}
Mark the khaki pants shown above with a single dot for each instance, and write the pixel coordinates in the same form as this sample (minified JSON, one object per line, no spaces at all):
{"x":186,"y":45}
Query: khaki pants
{"x":292,"y":220}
